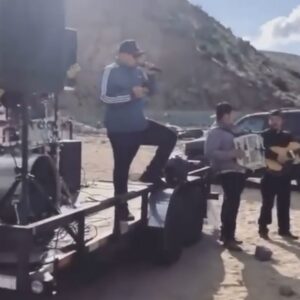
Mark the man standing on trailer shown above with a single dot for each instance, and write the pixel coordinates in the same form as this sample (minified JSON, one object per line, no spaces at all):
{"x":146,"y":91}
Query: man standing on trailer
{"x":221,"y":152}
{"x":125,"y":88}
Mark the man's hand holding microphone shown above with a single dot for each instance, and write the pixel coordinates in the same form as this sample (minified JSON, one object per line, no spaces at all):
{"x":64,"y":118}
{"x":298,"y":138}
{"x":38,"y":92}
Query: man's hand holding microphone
{"x":140,"y":92}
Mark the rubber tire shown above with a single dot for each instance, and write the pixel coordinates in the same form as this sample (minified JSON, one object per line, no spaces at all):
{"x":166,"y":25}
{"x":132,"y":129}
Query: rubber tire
{"x":194,"y":213}
{"x":164,"y":245}
{"x":149,"y":244}
{"x":194,"y":238}
{"x":168,"y":253}
{"x":298,"y":185}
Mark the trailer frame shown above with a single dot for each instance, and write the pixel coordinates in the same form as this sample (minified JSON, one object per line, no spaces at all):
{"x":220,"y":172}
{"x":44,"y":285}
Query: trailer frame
{"x":21,"y":279}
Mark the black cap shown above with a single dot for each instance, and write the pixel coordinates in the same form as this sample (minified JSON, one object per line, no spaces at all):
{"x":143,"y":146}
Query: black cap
{"x":130,"y":47}
{"x":222,"y":109}
{"x":276,"y":113}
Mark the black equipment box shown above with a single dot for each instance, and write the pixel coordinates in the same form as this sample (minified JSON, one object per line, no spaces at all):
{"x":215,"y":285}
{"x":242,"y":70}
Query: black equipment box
{"x":70,"y":164}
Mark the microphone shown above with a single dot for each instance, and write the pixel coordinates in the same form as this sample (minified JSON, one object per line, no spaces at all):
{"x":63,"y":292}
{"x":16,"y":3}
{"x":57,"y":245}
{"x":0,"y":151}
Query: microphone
{"x":150,"y":67}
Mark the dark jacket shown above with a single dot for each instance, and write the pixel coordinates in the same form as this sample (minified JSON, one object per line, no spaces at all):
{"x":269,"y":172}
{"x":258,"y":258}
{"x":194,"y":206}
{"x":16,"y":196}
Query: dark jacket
{"x":124,"y":112}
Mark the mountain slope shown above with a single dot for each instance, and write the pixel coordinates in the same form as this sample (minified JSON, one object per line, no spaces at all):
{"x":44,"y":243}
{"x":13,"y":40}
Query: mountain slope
{"x":290,"y":61}
{"x":203,"y":61}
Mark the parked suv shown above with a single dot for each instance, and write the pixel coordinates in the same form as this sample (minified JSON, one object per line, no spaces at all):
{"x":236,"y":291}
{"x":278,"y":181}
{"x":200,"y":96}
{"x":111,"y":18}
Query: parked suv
{"x":252,"y":123}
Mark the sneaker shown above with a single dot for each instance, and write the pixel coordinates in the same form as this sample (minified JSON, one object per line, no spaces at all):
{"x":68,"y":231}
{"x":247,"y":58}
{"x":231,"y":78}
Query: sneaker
{"x":289,"y":236}
{"x":232,"y":246}
{"x":264,"y":235}
{"x":158,"y":182}
{"x":238,"y":242}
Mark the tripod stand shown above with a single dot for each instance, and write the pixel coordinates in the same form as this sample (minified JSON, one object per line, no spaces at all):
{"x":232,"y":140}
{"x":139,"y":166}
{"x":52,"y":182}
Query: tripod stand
{"x":29,"y":185}
{"x":23,"y":210}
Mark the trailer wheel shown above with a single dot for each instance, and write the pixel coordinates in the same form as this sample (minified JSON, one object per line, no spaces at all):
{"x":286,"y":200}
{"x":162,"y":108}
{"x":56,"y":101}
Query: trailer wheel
{"x":169,"y":256}
{"x":150,"y":243}
{"x":37,"y":287}
{"x":193,"y":237}
{"x":298,"y":185}
{"x":40,"y":287}
{"x":194,"y":214}
{"x":173,"y":232}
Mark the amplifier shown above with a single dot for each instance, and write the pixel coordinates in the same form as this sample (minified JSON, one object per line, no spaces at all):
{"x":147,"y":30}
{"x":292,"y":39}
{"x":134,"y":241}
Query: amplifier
{"x":70,"y":163}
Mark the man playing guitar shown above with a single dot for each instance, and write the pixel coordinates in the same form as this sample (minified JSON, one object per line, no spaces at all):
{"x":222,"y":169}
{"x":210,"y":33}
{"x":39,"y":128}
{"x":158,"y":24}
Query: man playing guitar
{"x":276,"y":183}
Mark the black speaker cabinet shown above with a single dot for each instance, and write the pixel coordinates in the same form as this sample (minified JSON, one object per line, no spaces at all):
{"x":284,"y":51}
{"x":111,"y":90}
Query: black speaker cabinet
{"x":32,"y":42}
{"x":70,"y":47}
{"x":70,"y":164}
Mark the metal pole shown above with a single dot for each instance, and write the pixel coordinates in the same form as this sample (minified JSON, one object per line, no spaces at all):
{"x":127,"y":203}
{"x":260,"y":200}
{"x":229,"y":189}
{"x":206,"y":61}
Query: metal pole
{"x":56,"y":150}
{"x":25,"y":206}
{"x":55,"y":109}
{"x":25,"y":243}
{"x":144,"y":210}
{"x":81,"y":236}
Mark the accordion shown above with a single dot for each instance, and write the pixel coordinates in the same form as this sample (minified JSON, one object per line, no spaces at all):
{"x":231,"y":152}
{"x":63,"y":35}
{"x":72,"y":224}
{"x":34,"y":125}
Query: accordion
{"x":253,"y":147}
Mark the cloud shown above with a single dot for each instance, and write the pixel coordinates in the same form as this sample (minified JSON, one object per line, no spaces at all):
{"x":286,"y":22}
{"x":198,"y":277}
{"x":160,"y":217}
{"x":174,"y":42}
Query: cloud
{"x":278,"y":32}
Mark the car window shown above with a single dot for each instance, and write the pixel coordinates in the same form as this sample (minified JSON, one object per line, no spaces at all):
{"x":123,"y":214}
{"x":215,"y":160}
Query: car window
{"x":253,"y":123}
{"x":292,"y":123}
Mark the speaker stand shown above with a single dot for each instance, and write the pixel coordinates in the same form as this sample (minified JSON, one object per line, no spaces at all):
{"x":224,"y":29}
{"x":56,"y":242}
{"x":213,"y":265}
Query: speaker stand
{"x":25,"y":205}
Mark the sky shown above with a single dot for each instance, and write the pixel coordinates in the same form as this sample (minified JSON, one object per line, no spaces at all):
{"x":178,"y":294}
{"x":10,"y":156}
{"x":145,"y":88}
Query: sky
{"x":267,"y":24}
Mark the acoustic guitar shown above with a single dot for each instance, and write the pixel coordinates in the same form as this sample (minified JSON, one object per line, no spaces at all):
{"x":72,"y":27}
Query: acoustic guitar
{"x":292,"y":155}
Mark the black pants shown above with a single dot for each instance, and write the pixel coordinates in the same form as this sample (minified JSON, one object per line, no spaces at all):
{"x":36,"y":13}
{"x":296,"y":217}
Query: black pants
{"x":233,"y":185}
{"x":125,"y":147}
{"x":278,"y":187}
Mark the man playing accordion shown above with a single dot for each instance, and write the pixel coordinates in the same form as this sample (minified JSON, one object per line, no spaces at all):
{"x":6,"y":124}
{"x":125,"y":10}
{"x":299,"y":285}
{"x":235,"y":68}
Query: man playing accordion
{"x":276,"y":184}
{"x":222,"y":154}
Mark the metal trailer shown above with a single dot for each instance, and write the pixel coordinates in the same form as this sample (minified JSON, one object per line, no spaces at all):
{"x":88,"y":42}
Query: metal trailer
{"x":176,"y":215}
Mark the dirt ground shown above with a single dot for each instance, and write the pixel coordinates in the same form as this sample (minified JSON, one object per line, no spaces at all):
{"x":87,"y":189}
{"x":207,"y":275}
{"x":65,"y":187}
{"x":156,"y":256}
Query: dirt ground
{"x":206,"y":271}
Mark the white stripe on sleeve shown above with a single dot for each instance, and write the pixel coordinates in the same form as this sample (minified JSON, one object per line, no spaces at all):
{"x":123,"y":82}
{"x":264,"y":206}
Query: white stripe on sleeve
{"x":111,"y":100}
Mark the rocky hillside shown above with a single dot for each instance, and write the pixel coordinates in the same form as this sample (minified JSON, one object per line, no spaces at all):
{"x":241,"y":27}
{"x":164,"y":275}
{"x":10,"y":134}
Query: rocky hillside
{"x":203,"y":61}
{"x":289,"y":61}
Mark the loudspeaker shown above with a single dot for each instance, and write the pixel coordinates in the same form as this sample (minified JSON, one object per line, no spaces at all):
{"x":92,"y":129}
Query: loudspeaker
{"x":32,"y":55}
{"x":70,"y":47}
{"x":70,"y":164}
